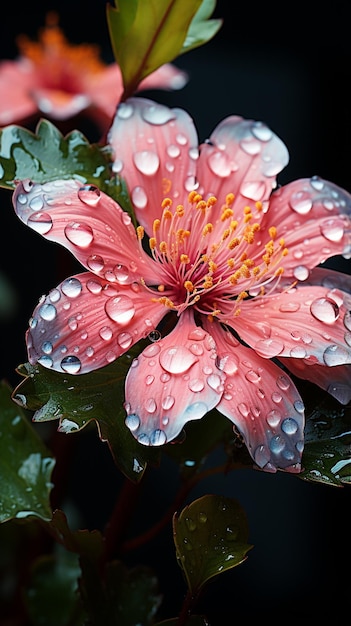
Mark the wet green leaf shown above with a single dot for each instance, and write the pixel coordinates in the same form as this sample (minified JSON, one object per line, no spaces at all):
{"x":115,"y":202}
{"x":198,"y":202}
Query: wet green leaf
{"x":210,"y":537}
{"x":145,"y":34}
{"x":327,"y":454}
{"x":77,"y":400}
{"x":25,"y":464}
{"x":52,"y":594}
{"x":48,"y":155}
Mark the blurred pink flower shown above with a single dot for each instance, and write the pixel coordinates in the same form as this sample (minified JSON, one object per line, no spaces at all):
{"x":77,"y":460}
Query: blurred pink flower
{"x":60,"y":80}
{"x":225,"y":284}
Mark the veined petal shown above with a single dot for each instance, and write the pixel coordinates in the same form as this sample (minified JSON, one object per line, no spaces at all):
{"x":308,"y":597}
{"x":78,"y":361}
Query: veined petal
{"x":241,"y":157}
{"x":168,"y":76}
{"x":87,"y":222}
{"x":335,"y":380}
{"x":313,"y":217}
{"x":155,"y":151}
{"x":262,"y":402}
{"x":307,"y":322}
{"x":86,"y":323}
{"x":171,"y":383}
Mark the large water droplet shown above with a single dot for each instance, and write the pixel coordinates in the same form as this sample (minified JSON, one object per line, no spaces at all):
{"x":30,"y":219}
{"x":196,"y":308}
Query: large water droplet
{"x":139,"y":197}
{"x":147,"y":162}
{"x":79,"y":233}
{"x":325,"y":310}
{"x":336,"y":355}
{"x":301,"y":202}
{"x":219,"y":164}
{"x":40,"y":222}
{"x":333,"y":229}
{"x":158,"y":114}
{"x":268,"y":348}
{"x":71,"y":287}
{"x":71,"y":364}
{"x":120,"y":309}
{"x":89,"y":194}
{"x":132,"y":421}
{"x":177,"y":359}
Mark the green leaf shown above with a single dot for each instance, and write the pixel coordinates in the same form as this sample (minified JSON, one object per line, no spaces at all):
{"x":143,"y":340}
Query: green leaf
{"x":77,"y":400}
{"x":210,"y":537}
{"x":48,"y":155}
{"x":327,"y":454}
{"x":202,"y":29}
{"x":51,"y":596}
{"x":25,"y":464}
{"x":146,"y":34}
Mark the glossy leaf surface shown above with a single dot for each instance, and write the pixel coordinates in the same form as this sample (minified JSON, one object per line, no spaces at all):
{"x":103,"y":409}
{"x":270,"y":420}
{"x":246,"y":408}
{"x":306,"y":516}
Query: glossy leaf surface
{"x":210,"y":536}
{"x":25,"y":464}
{"x":77,"y":400}
{"x":146,"y":34}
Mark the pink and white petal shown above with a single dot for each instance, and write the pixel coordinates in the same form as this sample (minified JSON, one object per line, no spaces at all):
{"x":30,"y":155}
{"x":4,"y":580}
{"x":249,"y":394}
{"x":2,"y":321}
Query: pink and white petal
{"x":263,"y":404}
{"x":330,"y":279}
{"x":168,"y":76}
{"x":16,"y":80}
{"x":335,"y":380}
{"x":90,"y":224}
{"x":59,"y":104}
{"x":314,"y":218}
{"x":308,"y":322}
{"x":241,"y":157}
{"x":86,"y":323}
{"x":171,"y":383}
{"x":104,"y":89}
{"x":155,"y":151}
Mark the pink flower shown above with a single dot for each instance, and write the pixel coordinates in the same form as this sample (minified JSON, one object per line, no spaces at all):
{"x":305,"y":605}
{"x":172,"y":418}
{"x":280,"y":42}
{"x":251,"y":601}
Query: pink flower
{"x":219,"y":275}
{"x":60,"y":80}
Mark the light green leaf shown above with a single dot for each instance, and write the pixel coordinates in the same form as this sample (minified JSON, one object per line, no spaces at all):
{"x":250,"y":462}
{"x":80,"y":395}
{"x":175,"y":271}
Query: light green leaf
{"x":146,"y":34}
{"x":210,"y":537}
{"x":25,"y":464}
{"x":77,"y":400}
{"x":48,"y":155}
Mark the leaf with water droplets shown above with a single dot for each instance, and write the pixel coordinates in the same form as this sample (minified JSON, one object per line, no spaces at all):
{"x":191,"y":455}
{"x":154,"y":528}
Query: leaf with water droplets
{"x":327,"y":453}
{"x":146,"y":34}
{"x":77,"y":400}
{"x":25,"y":464}
{"x":47,"y":155}
{"x":210,"y":537}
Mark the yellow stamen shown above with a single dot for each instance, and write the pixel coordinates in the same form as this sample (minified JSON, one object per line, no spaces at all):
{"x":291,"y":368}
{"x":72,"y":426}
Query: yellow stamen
{"x":184,"y":258}
{"x":189,"y":286}
{"x":166,"y":203}
{"x":140,"y":232}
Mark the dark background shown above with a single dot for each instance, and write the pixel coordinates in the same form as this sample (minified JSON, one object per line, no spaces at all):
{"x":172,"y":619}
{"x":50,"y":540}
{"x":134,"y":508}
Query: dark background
{"x":289,"y":67}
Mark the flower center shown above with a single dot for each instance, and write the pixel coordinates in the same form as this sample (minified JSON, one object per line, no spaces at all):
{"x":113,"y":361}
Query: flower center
{"x":209,"y":258}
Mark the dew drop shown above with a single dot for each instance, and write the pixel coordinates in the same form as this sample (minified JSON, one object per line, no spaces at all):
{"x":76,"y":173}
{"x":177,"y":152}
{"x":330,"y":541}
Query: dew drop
{"x":252,"y":376}
{"x":158,"y":114}
{"x":168,"y":402}
{"x":95,"y":263}
{"x":336,"y":355}
{"x":132,"y":421}
{"x":139,"y":197}
{"x":124,"y":340}
{"x":301,"y":272}
{"x":227,"y":363}
{"x":48,"y":312}
{"x":120,"y":309}
{"x":177,"y":359}
{"x":325,"y":310}
{"x":89,"y":194}
{"x":333,"y":229}
{"x":273,"y":418}
{"x":71,"y":287}
{"x":150,"y":405}
{"x":158,"y":437}
{"x":71,"y":364}
{"x":40,"y":222}
{"x":289,"y":426}
{"x":79,"y":233}
{"x":147,"y":162}
{"x":298,"y":352}
{"x":253,"y":190}
{"x":268,"y":348}
{"x":301,"y":202}
{"x":125,"y":111}
{"x":196,"y":385}
{"x":196,"y":410}
{"x":219,"y":164}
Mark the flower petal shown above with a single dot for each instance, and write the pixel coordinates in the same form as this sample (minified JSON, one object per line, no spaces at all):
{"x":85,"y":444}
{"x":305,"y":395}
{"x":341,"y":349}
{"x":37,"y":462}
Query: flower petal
{"x":86,"y":323}
{"x":172,"y":382}
{"x":307,"y":322}
{"x":262,"y":402}
{"x":16,"y":79}
{"x":59,"y":104}
{"x":335,"y":380}
{"x":87,"y":222}
{"x":155,"y":152}
{"x":313,"y":217}
{"x":241,"y":157}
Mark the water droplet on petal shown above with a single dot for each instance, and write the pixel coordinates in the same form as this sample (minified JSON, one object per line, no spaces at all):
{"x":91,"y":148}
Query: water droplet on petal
{"x":301,"y":272}
{"x":95,"y":263}
{"x":158,"y":437}
{"x":268,"y":348}
{"x":177,"y":360}
{"x":196,"y":410}
{"x":47,"y":312}
{"x":71,"y":287}
{"x":71,"y":364}
{"x":325,"y":310}
{"x":336,"y":355}
{"x":289,"y":426}
{"x":132,"y":421}
{"x":150,"y":405}
{"x":333,"y":229}
{"x":89,"y":194}
{"x":124,"y":340}
{"x":253,"y":190}
{"x":158,"y":114}
{"x":301,"y":202}
{"x":261,"y":131}
{"x":40,"y":222}
{"x":273,"y":418}
{"x":147,"y":162}
{"x":139,"y":197}
{"x":196,"y":385}
{"x":168,"y":402}
{"x":120,"y":309}
{"x":79,"y":233}
{"x":125,"y":111}
{"x":219,"y":164}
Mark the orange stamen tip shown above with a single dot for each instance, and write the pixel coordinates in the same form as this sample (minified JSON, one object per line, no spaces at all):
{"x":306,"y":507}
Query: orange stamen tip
{"x":166,"y":203}
{"x":140,"y":232}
